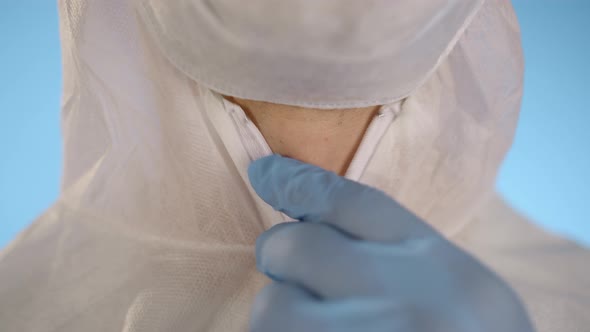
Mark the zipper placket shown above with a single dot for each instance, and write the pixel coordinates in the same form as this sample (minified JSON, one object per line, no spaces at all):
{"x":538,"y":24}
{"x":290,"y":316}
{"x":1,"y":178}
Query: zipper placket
{"x":256,"y":146}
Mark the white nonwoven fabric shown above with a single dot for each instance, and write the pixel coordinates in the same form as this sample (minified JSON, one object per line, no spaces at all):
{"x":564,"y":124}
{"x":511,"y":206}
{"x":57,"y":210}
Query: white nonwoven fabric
{"x":156,"y":224}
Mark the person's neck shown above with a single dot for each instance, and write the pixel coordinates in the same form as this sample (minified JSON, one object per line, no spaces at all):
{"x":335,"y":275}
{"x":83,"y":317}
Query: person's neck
{"x":325,"y":138}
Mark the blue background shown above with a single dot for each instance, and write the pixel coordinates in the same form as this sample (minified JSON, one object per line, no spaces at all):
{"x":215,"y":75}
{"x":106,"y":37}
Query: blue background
{"x":546,"y":175}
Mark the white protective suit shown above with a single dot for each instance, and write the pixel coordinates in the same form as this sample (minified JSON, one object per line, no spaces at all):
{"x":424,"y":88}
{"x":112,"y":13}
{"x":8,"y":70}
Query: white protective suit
{"x":156,"y":224}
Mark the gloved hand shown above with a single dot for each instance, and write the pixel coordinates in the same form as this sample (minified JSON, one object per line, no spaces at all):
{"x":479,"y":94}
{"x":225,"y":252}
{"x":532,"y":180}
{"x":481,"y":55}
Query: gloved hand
{"x":359,"y":261}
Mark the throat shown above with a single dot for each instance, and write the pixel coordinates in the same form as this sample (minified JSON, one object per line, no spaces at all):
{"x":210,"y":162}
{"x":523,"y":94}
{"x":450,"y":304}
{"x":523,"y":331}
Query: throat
{"x":328,"y":138}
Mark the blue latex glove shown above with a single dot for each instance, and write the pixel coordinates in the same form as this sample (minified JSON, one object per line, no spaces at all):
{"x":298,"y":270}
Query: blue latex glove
{"x":359,"y":261}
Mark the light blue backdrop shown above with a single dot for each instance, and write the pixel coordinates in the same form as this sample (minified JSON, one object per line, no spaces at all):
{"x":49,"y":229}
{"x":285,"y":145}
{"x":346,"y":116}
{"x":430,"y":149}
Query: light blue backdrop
{"x":546,"y":174}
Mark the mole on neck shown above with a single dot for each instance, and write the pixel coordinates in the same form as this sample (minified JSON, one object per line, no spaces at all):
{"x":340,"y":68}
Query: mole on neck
{"x":327,"y":138}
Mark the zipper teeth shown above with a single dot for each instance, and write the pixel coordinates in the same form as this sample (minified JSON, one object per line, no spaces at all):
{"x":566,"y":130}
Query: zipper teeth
{"x":262,"y":149}
{"x":253,"y":141}
{"x":254,"y":144}
{"x":370,"y":140}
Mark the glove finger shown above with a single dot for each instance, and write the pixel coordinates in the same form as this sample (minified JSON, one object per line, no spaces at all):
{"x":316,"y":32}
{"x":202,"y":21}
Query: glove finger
{"x":289,"y":308}
{"x":309,"y":193}
{"x":360,"y":314}
{"x":280,"y":307}
{"x":318,"y":257}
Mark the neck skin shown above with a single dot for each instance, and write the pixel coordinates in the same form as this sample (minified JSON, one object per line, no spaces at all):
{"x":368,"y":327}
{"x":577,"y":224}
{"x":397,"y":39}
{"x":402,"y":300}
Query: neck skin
{"x":327,"y":138}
